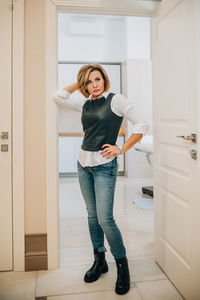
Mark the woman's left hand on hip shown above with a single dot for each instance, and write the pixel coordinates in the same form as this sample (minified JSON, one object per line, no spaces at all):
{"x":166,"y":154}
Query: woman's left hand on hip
{"x":110,"y":150}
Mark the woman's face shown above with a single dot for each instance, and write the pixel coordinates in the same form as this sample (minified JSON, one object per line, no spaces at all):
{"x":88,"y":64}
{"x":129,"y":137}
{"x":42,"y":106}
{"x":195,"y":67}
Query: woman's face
{"x":95,"y":84}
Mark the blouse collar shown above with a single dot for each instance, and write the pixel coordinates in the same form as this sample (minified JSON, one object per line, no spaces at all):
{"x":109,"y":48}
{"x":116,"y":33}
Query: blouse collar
{"x":105,"y":94}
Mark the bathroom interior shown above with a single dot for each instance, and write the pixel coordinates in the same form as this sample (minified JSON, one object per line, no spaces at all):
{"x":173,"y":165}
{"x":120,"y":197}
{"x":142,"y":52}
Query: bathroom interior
{"x":122,"y":46}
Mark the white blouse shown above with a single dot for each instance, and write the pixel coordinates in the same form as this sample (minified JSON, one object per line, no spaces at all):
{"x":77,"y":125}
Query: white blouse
{"x":119,"y":106}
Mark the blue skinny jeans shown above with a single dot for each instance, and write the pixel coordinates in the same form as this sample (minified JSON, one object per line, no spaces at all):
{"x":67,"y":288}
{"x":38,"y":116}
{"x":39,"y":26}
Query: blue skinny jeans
{"x":97,"y":187}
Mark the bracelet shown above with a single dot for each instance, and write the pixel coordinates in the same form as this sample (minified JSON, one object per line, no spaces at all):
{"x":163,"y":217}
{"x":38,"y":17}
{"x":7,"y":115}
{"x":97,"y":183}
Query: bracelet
{"x":121,"y":149}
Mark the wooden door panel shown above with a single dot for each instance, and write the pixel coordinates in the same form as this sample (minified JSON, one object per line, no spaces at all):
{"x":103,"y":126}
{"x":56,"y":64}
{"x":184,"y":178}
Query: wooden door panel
{"x":174,"y":208}
{"x":175,"y":89}
{"x":172,"y":157}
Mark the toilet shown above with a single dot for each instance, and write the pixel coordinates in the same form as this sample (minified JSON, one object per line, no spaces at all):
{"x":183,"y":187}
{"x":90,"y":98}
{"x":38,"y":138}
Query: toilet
{"x":146,"y":146}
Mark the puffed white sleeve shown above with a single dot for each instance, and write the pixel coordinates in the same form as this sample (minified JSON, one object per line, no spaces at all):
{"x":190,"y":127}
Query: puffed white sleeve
{"x":125,"y":108}
{"x":63,"y":99}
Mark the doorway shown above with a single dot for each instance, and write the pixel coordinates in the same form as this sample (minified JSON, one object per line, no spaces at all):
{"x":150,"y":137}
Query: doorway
{"x":52,"y":9}
{"x":110,"y":41}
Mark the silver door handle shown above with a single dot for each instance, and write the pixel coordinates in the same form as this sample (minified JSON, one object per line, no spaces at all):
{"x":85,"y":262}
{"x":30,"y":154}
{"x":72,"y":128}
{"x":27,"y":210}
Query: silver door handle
{"x":192,"y":137}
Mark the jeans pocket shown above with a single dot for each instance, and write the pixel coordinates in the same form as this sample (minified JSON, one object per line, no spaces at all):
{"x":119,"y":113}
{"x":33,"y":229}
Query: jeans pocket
{"x":114,"y":170}
{"x":112,"y":166}
{"x":108,"y":169}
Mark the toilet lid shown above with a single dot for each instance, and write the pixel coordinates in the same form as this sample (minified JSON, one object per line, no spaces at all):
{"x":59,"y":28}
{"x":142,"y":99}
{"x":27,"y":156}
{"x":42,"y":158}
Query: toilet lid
{"x":146,"y":144}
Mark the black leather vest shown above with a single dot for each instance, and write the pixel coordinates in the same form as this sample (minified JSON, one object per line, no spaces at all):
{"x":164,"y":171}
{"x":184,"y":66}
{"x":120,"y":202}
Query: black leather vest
{"x":100,"y":125}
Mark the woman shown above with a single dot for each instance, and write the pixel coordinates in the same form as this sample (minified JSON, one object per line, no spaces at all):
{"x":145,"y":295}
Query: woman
{"x":102,"y":115}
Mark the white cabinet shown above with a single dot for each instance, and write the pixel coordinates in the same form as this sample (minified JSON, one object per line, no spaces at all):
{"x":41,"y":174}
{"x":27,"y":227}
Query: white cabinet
{"x":69,"y":147}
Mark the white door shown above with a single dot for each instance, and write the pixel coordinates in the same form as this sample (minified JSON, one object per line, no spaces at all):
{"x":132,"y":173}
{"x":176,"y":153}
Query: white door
{"x":5,"y":127}
{"x":176,"y":112}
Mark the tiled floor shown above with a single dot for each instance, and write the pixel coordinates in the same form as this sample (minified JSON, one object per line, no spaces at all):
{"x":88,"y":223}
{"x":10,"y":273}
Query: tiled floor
{"x":148,"y":282}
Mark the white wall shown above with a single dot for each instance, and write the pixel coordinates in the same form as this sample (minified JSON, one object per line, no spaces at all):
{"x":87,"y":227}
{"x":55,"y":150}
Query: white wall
{"x":92,"y":38}
{"x":138,"y":38}
{"x":138,"y":87}
{"x":139,"y":90}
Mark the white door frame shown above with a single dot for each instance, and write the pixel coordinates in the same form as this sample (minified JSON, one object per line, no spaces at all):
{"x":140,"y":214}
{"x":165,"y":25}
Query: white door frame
{"x":18,"y":135}
{"x":52,"y":8}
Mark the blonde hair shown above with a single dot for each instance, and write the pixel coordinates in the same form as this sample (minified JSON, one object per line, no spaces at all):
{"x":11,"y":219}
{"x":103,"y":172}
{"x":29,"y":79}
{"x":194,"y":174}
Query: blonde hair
{"x":83,"y":75}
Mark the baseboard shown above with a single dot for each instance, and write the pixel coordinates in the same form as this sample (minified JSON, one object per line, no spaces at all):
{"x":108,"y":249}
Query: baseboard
{"x":68,"y":174}
{"x":36,"y":252}
{"x":71,"y":174}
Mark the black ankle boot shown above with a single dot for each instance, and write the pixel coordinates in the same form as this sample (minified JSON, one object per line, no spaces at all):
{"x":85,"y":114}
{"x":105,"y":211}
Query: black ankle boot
{"x":99,"y":266}
{"x":123,"y":277}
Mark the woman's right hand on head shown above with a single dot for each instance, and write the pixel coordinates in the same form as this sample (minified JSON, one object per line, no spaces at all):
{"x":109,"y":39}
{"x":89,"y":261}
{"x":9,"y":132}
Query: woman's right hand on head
{"x":72,"y":87}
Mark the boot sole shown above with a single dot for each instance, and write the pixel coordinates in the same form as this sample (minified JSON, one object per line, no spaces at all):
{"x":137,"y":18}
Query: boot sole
{"x":105,"y":270}
{"x":122,"y":292}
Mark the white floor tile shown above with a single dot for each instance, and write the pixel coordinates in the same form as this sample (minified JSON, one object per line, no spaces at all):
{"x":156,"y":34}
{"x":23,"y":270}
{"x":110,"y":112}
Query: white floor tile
{"x":158,"y":290}
{"x":69,"y":279}
{"x":133,"y":294}
{"x":75,"y":241}
{"x":144,"y":270}
{"x":71,"y":201}
{"x":17,"y":285}
{"x":73,"y":226}
{"x":75,"y":256}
